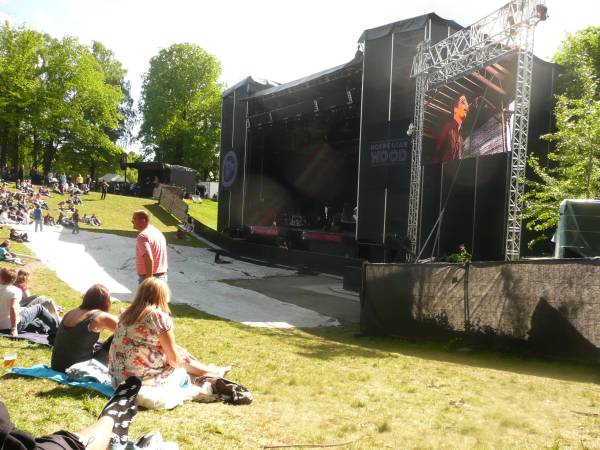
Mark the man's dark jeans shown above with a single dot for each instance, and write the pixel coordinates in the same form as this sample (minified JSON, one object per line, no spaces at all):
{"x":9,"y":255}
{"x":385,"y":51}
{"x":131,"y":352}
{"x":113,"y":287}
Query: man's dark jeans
{"x":28,"y":315}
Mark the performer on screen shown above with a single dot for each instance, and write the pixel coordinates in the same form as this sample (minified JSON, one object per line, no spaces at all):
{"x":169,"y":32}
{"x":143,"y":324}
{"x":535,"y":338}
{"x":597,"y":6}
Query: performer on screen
{"x":450,"y":141}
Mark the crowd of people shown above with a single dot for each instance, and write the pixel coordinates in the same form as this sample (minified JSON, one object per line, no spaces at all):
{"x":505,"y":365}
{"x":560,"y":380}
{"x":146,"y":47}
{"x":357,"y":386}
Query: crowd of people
{"x":142,"y":350}
{"x":25,"y":206}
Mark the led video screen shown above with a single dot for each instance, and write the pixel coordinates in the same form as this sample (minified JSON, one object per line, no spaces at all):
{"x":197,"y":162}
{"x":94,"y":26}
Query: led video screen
{"x":470,"y":116}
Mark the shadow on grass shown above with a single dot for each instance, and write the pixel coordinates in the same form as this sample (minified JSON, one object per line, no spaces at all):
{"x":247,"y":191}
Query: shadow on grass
{"x":170,"y":236}
{"x":162,"y":215}
{"x":68,"y":392}
{"x":330,"y":343}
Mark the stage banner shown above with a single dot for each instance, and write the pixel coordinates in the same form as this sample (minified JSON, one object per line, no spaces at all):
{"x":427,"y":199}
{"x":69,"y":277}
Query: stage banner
{"x":389,"y":152}
{"x":230,"y":169}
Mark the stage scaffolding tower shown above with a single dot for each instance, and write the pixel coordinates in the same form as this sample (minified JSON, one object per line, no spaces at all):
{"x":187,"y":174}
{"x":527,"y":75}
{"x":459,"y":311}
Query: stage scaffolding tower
{"x":507,"y":30}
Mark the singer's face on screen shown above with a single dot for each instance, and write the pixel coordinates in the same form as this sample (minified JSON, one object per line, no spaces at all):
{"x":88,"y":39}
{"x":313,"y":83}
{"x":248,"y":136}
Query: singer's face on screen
{"x":461,"y":109}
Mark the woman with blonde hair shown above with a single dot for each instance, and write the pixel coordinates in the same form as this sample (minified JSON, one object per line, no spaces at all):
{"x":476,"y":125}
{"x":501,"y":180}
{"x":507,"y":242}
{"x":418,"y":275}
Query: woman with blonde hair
{"x":144,"y":342}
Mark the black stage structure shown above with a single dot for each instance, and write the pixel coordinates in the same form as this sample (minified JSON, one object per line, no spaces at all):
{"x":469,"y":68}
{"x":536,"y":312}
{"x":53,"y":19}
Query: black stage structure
{"x":151,"y":174}
{"x":323,"y":163}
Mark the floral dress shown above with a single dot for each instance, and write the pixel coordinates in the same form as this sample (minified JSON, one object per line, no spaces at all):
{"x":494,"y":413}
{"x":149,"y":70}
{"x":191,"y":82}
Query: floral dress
{"x":136,"y":350}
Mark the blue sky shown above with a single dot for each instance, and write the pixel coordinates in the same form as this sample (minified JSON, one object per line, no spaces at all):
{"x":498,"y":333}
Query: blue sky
{"x":278,"y":40}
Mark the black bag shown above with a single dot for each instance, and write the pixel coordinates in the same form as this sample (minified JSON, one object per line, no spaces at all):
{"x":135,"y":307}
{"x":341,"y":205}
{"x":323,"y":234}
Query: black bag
{"x":228,"y":391}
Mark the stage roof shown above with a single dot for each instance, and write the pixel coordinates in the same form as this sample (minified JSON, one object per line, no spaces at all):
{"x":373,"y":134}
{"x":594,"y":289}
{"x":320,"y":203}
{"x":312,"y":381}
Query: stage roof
{"x":152,"y":165}
{"x":403,"y":26}
{"x":343,"y":70}
{"x":249,"y":80}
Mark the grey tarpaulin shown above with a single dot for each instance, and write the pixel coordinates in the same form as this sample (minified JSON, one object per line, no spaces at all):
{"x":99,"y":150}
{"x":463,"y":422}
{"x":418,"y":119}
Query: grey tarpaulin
{"x":578,"y":229}
{"x":552,"y":304}
{"x":402,"y":26}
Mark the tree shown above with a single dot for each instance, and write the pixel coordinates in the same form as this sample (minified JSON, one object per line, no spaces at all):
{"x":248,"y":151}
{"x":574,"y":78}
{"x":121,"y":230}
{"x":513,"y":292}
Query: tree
{"x":19,"y":50}
{"x":181,"y":107}
{"x":114,"y":75}
{"x":579,"y":54}
{"x":60,"y":102}
{"x":574,"y":168}
{"x":78,"y":106}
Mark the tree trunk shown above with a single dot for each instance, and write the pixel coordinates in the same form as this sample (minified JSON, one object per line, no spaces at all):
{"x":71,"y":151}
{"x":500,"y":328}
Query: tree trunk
{"x":16,"y":160}
{"x":48,"y":158}
{"x":179,"y":152}
{"x":93,"y":170}
{"x":3,"y":145}
{"x":37,"y":146}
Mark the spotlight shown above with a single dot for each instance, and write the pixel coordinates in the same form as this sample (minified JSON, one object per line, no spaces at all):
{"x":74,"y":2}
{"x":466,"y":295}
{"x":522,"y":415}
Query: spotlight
{"x":411,"y":130}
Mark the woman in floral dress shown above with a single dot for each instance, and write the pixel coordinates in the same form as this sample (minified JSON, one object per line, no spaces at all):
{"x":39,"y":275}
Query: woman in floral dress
{"x":144,"y":342}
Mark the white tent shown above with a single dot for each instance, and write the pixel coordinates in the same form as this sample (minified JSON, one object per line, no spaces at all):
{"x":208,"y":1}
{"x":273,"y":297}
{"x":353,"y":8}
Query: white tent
{"x":112,"y":177}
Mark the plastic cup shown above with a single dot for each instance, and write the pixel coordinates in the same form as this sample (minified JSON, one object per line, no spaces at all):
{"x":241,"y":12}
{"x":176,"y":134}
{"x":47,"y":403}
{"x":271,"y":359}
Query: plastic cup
{"x":9,"y":360}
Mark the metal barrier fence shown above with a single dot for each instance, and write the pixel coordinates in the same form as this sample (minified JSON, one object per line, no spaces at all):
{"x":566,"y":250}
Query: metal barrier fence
{"x":171,"y":198}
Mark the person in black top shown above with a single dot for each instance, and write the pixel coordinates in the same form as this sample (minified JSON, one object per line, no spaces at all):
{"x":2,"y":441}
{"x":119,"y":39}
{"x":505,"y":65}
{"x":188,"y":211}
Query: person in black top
{"x":77,"y":338}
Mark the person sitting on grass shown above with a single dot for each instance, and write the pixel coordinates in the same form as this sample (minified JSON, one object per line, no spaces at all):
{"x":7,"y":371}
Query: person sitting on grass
{"x":76,"y":200}
{"x":111,"y":430}
{"x":43,"y":190}
{"x":49,"y":220}
{"x":13,"y":318}
{"x":13,"y":214}
{"x":94,"y":220}
{"x":4,"y":217}
{"x":144,"y":343}
{"x":24,"y":217}
{"x":6,"y":255}
{"x":64,"y":220}
{"x":14,"y":235}
{"x":22,"y":282}
{"x":77,"y":338}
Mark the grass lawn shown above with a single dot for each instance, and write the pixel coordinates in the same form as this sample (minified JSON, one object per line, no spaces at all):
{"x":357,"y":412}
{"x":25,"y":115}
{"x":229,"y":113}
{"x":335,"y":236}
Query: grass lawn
{"x":205,"y":212}
{"x":328,"y":386}
{"x":115,"y":213}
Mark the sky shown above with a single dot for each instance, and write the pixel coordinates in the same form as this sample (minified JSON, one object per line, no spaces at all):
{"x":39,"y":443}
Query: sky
{"x":277,"y":40}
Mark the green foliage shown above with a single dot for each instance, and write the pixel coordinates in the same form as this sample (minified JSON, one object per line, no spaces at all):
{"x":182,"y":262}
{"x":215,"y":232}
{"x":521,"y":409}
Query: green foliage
{"x":61,"y":103}
{"x":462,"y":256}
{"x":573,"y":169}
{"x":181,"y":107}
{"x":114,"y":75}
{"x":579,"y":53}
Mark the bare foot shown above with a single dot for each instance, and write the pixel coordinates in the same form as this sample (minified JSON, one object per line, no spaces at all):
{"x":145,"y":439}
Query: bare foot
{"x":222,"y":371}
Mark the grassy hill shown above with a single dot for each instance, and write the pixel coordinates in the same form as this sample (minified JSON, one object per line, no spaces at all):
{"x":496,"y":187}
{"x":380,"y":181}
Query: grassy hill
{"x":325,"y":386}
{"x":205,"y":212}
{"x":115,"y":213}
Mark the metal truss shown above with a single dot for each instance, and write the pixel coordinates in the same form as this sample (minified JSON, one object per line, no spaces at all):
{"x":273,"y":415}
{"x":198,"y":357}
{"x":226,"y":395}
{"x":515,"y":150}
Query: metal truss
{"x":505,"y":31}
{"x":518,"y":160}
{"x":415,"y":168}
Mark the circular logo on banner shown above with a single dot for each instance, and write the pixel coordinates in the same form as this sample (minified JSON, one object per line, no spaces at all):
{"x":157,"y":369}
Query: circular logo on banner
{"x":229,"y":169}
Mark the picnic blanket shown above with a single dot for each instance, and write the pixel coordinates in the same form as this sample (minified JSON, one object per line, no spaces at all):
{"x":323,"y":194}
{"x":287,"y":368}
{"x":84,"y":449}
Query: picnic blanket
{"x":43,"y":371}
{"x":36,"y":338}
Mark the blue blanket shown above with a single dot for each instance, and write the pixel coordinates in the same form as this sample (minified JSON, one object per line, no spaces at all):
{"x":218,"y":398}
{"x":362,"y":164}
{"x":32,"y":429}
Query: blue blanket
{"x":42,"y":371}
